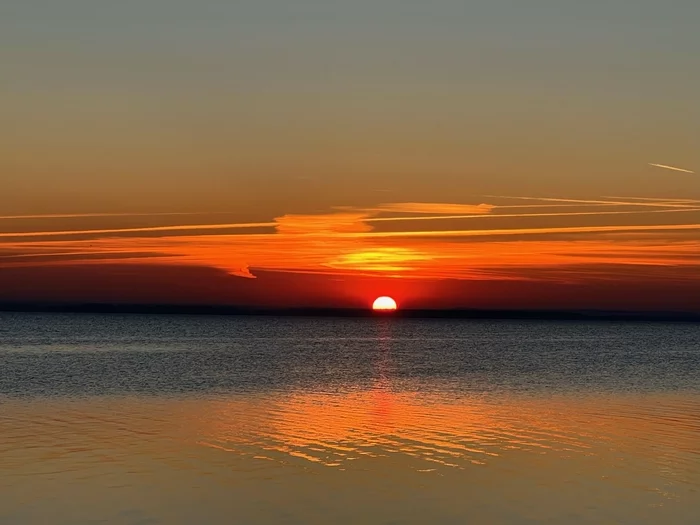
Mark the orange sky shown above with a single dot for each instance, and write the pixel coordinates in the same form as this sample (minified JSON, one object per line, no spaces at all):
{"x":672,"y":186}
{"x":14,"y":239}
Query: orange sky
{"x":486,"y":153}
{"x":502,"y":252}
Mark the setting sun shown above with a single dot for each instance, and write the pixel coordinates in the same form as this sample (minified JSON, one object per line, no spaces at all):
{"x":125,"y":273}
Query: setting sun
{"x":384,"y":303}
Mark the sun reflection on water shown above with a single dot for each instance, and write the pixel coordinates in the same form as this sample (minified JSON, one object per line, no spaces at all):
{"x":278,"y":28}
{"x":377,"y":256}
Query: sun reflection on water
{"x":433,"y":430}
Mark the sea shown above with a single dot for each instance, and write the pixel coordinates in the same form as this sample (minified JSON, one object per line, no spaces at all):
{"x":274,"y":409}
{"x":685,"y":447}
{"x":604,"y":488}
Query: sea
{"x":147,"y":419}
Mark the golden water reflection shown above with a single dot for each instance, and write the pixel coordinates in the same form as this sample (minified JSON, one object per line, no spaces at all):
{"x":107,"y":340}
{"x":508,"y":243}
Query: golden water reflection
{"x":335,"y":429}
{"x":306,"y":456}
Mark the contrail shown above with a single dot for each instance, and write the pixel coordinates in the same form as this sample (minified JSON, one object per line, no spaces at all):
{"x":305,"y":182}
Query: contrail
{"x":673,"y":168}
{"x":524,"y":231}
{"x":92,"y":215}
{"x":581,"y":201}
{"x":653,"y":199}
{"x":512,"y":215}
{"x":186,"y":227}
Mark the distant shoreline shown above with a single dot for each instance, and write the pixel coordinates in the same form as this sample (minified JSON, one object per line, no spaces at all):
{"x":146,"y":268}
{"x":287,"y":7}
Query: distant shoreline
{"x":466,"y":314}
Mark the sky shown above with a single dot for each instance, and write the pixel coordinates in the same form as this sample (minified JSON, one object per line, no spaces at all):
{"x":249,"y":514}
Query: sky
{"x":499,"y":154}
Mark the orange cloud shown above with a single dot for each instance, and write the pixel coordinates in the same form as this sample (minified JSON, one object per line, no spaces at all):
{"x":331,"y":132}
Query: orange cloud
{"x":665,"y":203}
{"x":523,"y":215}
{"x":94,"y":215}
{"x":329,"y":223}
{"x":382,"y":259}
{"x":345,"y":243}
{"x":435,"y":208}
{"x":531,"y":231}
{"x":148,"y":229}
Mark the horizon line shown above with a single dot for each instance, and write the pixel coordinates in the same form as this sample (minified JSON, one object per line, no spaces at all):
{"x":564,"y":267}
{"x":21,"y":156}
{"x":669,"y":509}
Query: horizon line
{"x":466,"y":313}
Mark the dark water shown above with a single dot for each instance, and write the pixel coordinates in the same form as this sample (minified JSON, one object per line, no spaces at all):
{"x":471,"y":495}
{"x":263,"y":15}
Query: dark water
{"x":148,"y":419}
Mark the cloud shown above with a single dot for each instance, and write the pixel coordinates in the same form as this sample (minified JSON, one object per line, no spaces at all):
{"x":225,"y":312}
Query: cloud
{"x":345,"y":243}
{"x":434,"y":208}
{"x":523,"y":215}
{"x":382,"y":259}
{"x":623,"y":202}
{"x":322,"y":224}
{"x":243,"y":271}
{"x":148,"y":229}
{"x":672,"y":168}
{"x":532,"y":231}
{"x":355,"y":221}
{"x":96,"y":215}
{"x":652,"y":199}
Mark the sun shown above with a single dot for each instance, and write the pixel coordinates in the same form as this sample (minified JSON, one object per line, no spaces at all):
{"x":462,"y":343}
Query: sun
{"x":384,"y":303}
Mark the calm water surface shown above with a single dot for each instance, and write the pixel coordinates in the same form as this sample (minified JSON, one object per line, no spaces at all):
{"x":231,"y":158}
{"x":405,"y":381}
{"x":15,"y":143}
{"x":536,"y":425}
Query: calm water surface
{"x":219,"y":420}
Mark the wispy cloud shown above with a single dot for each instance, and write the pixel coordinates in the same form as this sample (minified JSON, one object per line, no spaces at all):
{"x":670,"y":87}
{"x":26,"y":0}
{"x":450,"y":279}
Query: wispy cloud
{"x":654,"y":199}
{"x":382,"y":259}
{"x":97,"y":215}
{"x":422,"y":255}
{"x":524,"y":215}
{"x":531,"y":231}
{"x":672,"y":168}
{"x":621,"y":202}
{"x":326,"y":223}
{"x":345,"y":243}
{"x":148,"y":229}
{"x":434,"y":208}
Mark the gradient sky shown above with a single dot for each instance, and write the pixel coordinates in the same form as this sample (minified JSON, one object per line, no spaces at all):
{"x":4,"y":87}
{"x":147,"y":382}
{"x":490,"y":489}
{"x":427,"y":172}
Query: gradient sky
{"x":490,"y":154}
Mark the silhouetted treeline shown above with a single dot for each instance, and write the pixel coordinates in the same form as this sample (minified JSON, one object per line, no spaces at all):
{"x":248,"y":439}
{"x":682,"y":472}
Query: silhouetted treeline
{"x":165,"y":309}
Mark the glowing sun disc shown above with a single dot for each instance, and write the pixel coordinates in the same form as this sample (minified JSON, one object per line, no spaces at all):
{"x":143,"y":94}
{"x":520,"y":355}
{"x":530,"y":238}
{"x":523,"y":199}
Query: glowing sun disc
{"x":384,"y":303}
